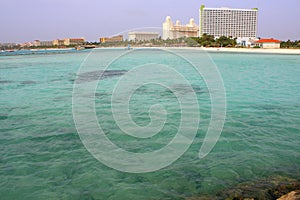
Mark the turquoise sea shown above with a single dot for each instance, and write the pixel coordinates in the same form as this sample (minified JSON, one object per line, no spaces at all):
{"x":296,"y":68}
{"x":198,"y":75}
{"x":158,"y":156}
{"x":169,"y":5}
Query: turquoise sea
{"x":42,"y":156}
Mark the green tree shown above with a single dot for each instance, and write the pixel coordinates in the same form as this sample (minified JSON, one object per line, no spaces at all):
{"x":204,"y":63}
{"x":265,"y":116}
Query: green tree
{"x":207,"y":40}
{"x":191,"y":42}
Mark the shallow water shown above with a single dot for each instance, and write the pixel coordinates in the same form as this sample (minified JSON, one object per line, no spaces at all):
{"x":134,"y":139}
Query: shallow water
{"x":42,"y":156}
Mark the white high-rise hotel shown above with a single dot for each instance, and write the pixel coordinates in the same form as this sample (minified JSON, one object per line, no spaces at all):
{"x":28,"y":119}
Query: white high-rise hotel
{"x":240,"y":23}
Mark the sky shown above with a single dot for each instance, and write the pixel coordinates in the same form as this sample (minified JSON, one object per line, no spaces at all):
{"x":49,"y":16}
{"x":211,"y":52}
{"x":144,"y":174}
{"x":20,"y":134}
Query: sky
{"x":28,"y":20}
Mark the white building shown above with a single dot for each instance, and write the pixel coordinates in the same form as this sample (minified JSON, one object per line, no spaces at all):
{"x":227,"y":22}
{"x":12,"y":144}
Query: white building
{"x":39,"y":43}
{"x":142,"y":36}
{"x":239,"y":23}
{"x":247,"y":42}
{"x":269,"y":43}
{"x":175,"y":31}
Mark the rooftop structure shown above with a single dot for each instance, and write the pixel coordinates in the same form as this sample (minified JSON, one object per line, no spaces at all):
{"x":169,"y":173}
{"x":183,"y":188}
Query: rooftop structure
{"x":271,"y":40}
{"x":240,"y":23}
{"x":175,"y":31}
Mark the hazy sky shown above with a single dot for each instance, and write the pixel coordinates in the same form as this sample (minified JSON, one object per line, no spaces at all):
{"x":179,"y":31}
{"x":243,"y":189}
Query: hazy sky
{"x":27,"y":20}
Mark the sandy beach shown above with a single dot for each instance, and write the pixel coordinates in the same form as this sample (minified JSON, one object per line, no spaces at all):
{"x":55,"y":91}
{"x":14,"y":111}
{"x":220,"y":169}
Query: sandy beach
{"x":223,"y":50}
{"x":241,"y":50}
{"x":253,"y":50}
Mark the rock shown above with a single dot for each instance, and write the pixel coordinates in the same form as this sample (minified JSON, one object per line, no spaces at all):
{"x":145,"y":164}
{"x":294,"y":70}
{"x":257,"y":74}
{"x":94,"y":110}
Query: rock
{"x":295,"y":195}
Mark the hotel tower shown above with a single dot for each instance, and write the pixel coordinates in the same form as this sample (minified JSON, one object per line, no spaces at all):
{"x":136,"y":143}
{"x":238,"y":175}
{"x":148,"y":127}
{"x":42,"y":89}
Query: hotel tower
{"x":239,"y":23}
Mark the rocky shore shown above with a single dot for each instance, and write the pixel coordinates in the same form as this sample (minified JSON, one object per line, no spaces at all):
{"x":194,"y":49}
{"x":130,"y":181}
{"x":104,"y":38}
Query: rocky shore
{"x":294,"y":195}
{"x":273,"y":188}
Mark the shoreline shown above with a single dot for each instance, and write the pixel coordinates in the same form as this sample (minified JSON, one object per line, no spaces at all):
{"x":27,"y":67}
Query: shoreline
{"x":220,"y":50}
{"x":205,"y":49}
{"x":253,"y":50}
{"x":238,"y":50}
{"x":52,"y":49}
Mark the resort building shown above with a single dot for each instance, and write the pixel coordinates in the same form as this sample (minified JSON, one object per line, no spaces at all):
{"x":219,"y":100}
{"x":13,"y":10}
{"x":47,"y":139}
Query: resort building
{"x":74,"y":41}
{"x":142,"y":36}
{"x":58,"y":42}
{"x":8,"y":44}
{"x":239,"y":23}
{"x":118,"y":38}
{"x":269,"y":43}
{"x":26,"y":44}
{"x":175,"y":31}
{"x":39,"y":43}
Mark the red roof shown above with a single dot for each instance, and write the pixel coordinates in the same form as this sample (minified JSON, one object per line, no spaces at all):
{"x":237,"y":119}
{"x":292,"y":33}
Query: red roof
{"x":268,"y":41}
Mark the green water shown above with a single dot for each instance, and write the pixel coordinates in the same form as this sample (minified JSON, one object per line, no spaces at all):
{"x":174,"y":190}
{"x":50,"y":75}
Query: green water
{"x":42,"y":156}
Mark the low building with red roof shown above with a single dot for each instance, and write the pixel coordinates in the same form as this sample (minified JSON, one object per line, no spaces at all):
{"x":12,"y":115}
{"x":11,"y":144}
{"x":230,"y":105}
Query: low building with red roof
{"x":269,"y":43}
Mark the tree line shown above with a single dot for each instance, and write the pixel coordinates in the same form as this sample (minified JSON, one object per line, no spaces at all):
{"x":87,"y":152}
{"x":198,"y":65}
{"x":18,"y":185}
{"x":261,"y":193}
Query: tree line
{"x":210,"y":41}
{"x":290,"y":44}
{"x":205,"y":41}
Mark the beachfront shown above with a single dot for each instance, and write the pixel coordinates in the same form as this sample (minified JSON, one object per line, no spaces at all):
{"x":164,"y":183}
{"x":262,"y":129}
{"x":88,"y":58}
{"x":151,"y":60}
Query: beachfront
{"x":224,"y":50}
{"x":253,"y":50}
